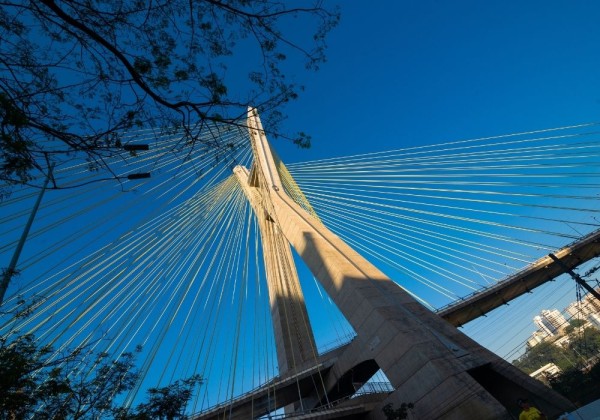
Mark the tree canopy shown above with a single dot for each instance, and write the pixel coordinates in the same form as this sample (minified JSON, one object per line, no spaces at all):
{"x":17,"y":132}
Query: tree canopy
{"x":583,"y":345}
{"x":578,"y":361}
{"x":578,"y":386}
{"x":542,"y":354}
{"x":75,"y":74}
{"x":574,"y":323}
{"x":36,"y":382}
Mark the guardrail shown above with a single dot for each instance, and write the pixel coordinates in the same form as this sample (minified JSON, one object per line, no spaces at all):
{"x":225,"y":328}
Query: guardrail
{"x":367,"y":389}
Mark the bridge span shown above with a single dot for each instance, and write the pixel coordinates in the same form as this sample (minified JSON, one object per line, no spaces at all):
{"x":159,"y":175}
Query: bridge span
{"x":545,"y":269}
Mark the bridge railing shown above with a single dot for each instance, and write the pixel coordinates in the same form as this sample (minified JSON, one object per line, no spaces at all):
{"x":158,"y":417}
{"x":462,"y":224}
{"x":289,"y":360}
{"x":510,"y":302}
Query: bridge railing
{"x":369,"y":388}
{"x":374,"y":388}
{"x":571,"y":247}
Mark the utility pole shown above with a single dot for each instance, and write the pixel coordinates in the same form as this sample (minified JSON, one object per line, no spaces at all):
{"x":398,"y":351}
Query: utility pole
{"x":11,"y":269}
{"x":576,"y":277}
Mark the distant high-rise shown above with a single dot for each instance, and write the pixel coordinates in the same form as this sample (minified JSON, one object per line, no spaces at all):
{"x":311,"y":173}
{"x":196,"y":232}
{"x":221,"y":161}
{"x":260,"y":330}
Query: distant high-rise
{"x":550,"y":321}
{"x":544,"y":325}
{"x":594,"y":319}
{"x":536,"y":338}
{"x":576,"y":310}
{"x":555,"y":317}
{"x":583,"y":309}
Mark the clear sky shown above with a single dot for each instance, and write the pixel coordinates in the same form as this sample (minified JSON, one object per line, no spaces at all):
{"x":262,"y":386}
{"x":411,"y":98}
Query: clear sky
{"x":412,"y":72}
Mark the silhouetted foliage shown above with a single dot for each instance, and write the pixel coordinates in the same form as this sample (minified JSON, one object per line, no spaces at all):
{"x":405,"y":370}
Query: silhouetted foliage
{"x":75,"y":385}
{"x":578,"y":362}
{"x":397,"y":414}
{"x":38,"y":382}
{"x":542,"y":354}
{"x":163,"y":403}
{"x":578,"y":386}
{"x":583,"y":346}
{"x":586,"y":344}
{"x":74,"y":75}
{"x":574,"y":323}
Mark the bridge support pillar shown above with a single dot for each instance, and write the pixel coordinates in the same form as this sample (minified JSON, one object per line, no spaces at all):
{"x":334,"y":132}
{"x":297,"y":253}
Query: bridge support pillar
{"x":429,"y":362}
{"x":294,"y":340}
{"x":293,"y":335}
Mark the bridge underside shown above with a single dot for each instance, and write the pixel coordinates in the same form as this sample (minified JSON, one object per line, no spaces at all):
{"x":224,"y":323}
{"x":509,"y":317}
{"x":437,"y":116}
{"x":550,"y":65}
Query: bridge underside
{"x":277,"y":394}
{"x":538,"y":273}
{"x":299,"y":387}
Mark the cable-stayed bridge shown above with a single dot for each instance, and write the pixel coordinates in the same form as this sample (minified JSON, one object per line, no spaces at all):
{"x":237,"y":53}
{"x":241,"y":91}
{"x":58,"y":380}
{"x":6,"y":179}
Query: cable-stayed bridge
{"x":524,"y":281}
{"x":175,"y":263}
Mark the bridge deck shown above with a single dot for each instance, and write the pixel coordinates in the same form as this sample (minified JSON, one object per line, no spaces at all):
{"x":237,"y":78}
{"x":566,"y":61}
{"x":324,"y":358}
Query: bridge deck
{"x":541,"y":271}
{"x":270,"y":397}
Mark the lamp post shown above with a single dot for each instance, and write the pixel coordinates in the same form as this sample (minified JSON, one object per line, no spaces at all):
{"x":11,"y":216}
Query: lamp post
{"x":10,"y":270}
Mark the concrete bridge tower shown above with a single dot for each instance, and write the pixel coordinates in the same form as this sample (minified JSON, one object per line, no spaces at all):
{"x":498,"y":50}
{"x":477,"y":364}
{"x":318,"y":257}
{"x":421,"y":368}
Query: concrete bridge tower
{"x":429,"y":362}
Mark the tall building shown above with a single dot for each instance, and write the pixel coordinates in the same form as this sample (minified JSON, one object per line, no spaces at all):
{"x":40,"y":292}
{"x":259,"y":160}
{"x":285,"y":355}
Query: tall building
{"x":583,"y":309}
{"x":536,"y":338}
{"x":550,"y":321}
{"x":544,"y":326}
{"x":594,"y":319}
{"x":592,"y":303}
{"x":577,"y":310}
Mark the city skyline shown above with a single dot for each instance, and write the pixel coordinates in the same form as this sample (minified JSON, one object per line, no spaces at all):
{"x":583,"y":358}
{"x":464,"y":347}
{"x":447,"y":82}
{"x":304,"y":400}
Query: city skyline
{"x":552,"y":322}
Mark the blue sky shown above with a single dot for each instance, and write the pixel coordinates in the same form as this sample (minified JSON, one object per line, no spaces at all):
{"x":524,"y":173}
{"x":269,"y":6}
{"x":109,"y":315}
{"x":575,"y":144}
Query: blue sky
{"x":410,"y":72}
